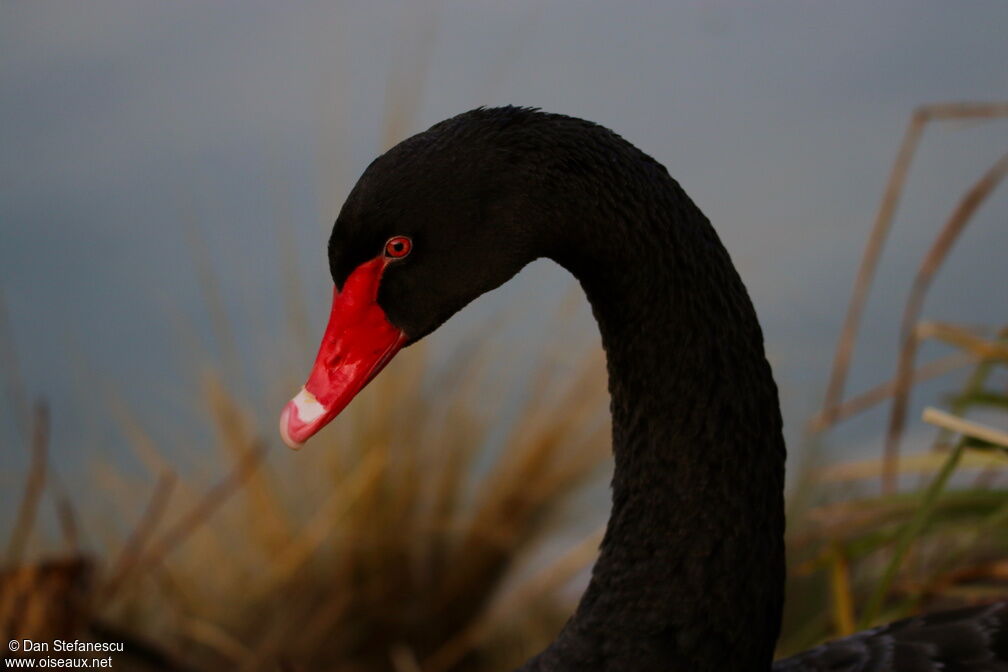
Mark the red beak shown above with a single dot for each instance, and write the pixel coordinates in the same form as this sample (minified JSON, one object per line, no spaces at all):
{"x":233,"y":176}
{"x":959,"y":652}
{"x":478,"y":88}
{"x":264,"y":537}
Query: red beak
{"x":358,"y":342}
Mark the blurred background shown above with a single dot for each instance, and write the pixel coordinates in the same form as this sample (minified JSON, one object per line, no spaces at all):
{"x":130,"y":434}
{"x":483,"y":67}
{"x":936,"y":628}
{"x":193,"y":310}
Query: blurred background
{"x":169,"y":176}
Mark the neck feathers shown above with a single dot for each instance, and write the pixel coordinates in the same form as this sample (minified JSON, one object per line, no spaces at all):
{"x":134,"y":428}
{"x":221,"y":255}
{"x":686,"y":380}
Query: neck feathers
{"x":691,"y":570}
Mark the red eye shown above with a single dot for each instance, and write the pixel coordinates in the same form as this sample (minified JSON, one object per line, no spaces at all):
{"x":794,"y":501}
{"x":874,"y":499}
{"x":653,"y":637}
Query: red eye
{"x":398,"y":247}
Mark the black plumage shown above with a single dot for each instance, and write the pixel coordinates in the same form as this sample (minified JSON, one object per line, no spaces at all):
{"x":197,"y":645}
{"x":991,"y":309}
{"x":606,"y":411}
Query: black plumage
{"x":974,"y":639}
{"x":691,"y":570}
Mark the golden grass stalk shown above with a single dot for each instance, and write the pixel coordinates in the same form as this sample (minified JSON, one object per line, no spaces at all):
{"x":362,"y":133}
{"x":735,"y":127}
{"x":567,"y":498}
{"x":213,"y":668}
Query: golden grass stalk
{"x":921,"y":463}
{"x":879,"y":393}
{"x":975,"y":430}
{"x":11,"y":365}
{"x":964,"y":339}
{"x":546,"y":580}
{"x":840,"y":589}
{"x":929,"y":266}
{"x":880,"y":231}
{"x":134,"y":547}
{"x":34,"y":486}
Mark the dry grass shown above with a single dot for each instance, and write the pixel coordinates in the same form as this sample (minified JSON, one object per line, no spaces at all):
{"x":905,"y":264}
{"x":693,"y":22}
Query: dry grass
{"x":860,"y":560}
{"x":401,"y":537}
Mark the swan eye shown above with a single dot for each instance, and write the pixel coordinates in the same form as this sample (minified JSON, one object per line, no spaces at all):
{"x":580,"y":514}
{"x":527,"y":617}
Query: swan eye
{"x":398,"y":247}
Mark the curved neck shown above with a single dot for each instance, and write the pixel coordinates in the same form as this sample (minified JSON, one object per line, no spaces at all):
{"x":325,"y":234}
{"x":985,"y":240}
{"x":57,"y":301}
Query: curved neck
{"x":691,"y":570}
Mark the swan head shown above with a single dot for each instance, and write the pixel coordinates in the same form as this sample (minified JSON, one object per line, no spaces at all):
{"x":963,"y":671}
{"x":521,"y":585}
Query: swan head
{"x":433,"y":223}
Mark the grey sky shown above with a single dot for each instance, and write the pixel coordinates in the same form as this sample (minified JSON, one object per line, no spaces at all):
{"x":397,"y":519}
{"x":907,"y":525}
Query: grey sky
{"x":129,"y":129}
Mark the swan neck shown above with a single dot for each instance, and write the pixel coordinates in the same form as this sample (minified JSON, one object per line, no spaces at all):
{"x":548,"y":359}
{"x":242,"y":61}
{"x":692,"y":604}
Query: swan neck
{"x":691,"y":570}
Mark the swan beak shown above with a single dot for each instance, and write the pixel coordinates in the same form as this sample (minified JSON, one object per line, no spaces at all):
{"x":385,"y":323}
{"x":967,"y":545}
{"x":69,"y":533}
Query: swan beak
{"x":358,"y":342}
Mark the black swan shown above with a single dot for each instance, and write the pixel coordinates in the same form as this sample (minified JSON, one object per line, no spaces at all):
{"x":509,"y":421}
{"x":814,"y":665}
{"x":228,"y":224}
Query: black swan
{"x":691,"y":570}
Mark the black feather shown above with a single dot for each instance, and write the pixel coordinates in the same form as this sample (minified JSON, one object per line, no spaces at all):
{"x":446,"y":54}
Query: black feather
{"x":691,"y":571}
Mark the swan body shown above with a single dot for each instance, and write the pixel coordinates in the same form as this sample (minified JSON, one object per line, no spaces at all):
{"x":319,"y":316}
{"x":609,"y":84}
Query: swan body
{"x":973,"y":639}
{"x":691,"y":570}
